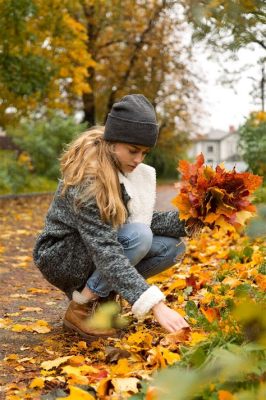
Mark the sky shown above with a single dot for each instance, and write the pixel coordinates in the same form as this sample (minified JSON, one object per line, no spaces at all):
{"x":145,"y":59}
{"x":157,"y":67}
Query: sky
{"x":227,"y":106}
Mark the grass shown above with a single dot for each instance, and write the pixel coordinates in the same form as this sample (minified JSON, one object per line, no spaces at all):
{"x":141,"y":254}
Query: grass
{"x":33,"y":184}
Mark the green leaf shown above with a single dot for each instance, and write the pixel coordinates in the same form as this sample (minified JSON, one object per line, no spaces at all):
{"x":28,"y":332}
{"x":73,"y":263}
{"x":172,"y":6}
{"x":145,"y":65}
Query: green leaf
{"x":247,"y":252}
{"x":262,"y":269}
{"x":192,"y":309}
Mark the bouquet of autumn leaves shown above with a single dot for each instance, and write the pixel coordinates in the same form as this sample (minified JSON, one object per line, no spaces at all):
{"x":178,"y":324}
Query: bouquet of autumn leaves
{"x":214,"y":198}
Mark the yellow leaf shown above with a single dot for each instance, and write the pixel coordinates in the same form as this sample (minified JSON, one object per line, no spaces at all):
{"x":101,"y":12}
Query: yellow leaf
{"x":24,"y":258}
{"x":82,"y":345}
{"x":30,"y":309}
{"x":11,"y":357}
{"x":23,"y":232}
{"x":261,"y":281}
{"x":210,"y":218}
{"x":142,"y":338}
{"x":77,"y":394}
{"x":4,"y":322}
{"x":28,"y":359}
{"x":70,"y":370}
{"x":77,"y":360}
{"x":180,"y":336}
{"x":37,"y":383}
{"x":125,"y":385}
{"x":169,"y":356}
{"x":40,"y":327}
{"x":54,"y":363}
{"x":177,"y":284}
{"x":37,"y":290}
{"x":20,"y":295}
{"x":156,"y":358}
{"x":210,"y":314}
{"x":224,"y":225}
{"x":19,"y":328}
{"x":232,"y":282}
{"x":102,"y":388}
{"x":20,"y":368}
{"x":22,"y":264}
{"x":197,"y":337}
{"x":121,"y":368}
{"x":243,"y":216}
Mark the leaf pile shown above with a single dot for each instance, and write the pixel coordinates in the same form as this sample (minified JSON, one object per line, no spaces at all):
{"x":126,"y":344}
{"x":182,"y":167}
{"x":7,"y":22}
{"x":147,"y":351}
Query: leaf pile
{"x":217,"y":197}
{"x":41,"y":361}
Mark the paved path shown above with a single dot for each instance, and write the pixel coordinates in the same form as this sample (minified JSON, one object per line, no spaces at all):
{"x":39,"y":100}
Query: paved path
{"x":165,"y":193}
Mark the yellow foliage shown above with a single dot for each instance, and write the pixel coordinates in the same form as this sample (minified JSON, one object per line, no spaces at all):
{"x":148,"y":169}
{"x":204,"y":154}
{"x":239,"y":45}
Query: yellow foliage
{"x":37,"y":383}
{"x":54,"y":363}
{"x":77,"y":394}
{"x":63,"y":43}
{"x":125,"y":386}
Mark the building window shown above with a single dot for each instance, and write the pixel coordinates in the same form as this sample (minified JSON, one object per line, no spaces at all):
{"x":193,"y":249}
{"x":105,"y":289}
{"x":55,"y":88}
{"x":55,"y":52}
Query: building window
{"x":210,"y":149}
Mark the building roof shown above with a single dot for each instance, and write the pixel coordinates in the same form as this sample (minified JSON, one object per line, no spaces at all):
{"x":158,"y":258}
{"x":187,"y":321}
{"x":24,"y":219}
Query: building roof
{"x":213,"y":135}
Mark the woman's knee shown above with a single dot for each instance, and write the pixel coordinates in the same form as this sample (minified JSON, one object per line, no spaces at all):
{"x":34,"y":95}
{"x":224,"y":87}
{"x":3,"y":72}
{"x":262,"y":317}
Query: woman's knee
{"x":143,"y":237}
{"x":136,"y":237}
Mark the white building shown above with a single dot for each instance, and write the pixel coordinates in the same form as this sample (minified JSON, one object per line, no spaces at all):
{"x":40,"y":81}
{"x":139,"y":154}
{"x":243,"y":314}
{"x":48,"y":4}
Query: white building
{"x":219,"y":147}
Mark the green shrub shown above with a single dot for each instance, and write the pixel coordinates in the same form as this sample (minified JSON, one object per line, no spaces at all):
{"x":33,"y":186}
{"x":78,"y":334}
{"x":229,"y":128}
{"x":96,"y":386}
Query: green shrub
{"x":164,"y":163}
{"x":44,"y":140}
{"x":16,"y":175}
{"x":260,"y":195}
{"x":253,"y":142}
{"x":13,"y":172}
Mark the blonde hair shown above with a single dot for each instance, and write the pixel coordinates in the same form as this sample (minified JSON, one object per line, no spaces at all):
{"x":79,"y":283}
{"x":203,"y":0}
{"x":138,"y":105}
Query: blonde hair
{"x":89,"y":164}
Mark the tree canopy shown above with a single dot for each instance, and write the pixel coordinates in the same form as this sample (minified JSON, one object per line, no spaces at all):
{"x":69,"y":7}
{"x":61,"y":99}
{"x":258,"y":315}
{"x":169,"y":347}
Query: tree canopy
{"x":228,"y":24}
{"x":44,"y":58}
{"x":253,"y":142}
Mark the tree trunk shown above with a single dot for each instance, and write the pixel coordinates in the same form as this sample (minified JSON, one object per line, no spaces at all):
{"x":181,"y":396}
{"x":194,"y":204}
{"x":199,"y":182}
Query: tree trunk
{"x":110,"y":102}
{"x":89,"y":98}
{"x":262,"y":87}
{"x":89,"y":108}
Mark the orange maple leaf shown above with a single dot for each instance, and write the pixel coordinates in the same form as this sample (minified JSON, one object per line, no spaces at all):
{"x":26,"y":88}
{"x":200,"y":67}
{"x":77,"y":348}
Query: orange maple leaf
{"x":217,"y":198}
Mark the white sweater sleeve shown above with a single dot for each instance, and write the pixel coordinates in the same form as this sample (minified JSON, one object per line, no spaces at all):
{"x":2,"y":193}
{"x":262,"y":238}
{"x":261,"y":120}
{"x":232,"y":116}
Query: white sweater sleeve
{"x":146,"y":301}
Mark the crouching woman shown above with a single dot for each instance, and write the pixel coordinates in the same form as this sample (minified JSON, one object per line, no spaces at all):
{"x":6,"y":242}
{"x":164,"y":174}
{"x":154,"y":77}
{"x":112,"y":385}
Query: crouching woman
{"x":101,"y":234}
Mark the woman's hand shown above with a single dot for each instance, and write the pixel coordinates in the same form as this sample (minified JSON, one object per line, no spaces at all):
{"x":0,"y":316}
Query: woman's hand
{"x":167,"y":318}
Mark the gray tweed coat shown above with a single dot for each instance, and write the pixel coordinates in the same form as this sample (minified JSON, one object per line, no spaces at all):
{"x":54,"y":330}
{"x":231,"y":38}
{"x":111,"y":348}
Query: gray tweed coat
{"x":72,"y":244}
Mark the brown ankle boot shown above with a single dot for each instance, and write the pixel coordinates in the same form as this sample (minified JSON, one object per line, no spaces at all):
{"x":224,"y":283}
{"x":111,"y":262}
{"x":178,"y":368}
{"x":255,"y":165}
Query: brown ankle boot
{"x":77,"y":317}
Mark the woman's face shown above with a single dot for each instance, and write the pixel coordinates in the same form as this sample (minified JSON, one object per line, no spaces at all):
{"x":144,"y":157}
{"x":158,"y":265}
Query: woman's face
{"x":130,"y":156}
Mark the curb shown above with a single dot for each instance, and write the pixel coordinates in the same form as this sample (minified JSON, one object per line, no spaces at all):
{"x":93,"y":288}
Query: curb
{"x":17,"y":196}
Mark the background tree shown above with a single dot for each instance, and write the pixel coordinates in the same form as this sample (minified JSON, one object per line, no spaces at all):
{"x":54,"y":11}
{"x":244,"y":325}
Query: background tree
{"x":53,"y":53}
{"x":44,"y":58}
{"x":253,"y":142}
{"x":225,"y":26}
{"x":139,"y":48}
{"x":228,"y":24}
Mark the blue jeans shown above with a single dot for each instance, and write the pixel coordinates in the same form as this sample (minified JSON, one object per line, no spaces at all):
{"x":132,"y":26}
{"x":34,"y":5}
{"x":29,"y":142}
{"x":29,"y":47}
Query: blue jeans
{"x":148,"y":253}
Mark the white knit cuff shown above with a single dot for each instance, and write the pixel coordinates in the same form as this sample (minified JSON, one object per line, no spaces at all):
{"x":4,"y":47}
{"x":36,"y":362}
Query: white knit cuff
{"x":146,"y":301}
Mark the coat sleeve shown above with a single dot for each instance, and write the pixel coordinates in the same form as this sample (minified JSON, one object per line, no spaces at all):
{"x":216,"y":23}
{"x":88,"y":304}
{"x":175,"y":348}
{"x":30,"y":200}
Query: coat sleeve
{"x":108,"y":257}
{"x":167,"y":223}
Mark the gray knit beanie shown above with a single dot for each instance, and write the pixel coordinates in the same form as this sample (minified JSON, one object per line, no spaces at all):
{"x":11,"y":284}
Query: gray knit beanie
{"x":132,"y":120}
